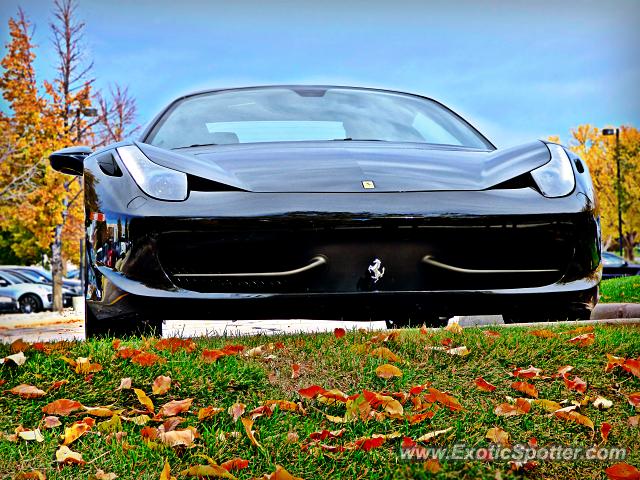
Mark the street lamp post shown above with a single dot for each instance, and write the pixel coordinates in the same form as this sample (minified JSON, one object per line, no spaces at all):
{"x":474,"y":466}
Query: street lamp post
{"x":616,"y":132}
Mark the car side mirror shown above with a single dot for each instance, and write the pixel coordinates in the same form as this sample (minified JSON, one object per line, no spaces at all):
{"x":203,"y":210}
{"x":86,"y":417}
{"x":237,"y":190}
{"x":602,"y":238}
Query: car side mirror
{"x":69,"y":160}
{"x":3,"y":283}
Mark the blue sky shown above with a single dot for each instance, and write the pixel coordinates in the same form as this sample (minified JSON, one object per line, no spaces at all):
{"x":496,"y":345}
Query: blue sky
{"x":518,"y":70}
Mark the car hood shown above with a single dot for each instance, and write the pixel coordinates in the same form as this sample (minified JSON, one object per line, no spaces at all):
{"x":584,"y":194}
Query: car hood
{"x":343,"y":166}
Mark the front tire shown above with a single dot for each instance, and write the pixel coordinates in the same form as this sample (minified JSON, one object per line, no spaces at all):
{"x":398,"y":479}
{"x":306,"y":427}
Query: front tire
{"x":29,"y":303}
{"x":122,"y":327}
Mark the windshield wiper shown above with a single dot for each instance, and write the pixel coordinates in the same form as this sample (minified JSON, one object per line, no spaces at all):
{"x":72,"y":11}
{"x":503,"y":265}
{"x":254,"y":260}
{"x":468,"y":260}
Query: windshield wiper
{"x":196,"y":145}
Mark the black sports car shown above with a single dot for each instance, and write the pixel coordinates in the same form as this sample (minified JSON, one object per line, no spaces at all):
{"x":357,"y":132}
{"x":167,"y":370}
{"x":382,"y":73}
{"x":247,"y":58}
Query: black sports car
{"x":330,"y":202}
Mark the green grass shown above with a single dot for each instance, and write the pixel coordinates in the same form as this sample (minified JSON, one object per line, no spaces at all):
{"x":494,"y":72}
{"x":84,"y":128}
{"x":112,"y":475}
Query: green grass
{"x":330,"y":363}
{"x":620,"y":290}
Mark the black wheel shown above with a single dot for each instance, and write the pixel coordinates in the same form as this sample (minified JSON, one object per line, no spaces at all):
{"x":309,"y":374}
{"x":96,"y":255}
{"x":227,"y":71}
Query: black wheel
{"x":121,"y":327}
{"x":29,"y":303}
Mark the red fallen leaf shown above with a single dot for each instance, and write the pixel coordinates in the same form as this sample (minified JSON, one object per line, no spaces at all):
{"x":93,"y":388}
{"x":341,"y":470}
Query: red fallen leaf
{"x":62,"y":407}
{"x":127,"y":352}
{"x":446,"y":341}
{"x":408,"y":442}
{"x":324,"y":434}
{"x":235,"y":464}
{"x":413,"y":419}
{"x":210,"y":356}
{"x":482,"y":384}
{"x":533,"y":442}
{"x":175,"y":407}
{"x":531,"y":372}
{"x":295,"y":371}
{"x":174,"y":344}
{"x":417,"y":390}
{"x":27,"y":391}
{"x":150,"y":433}
{"x":491,"y":333}
{"x":576,"y":384}
{"x":116,"y":344}
{"x":146,"y":359}
{"x":583,"y":340}
{"x":525,"y":387}
{"x":424,"y":330}
{"x":265,"y":410}
{"x":339,"y":332}
{"x":311,"y":392}
{"x":233,"y":349}
{"x":605,"y":429}
{"x":622,"y":471}
{"x":634,"y":399}
{"x":279,"y":345}
{"x":367,"y":444}
{"x":632,"y":366}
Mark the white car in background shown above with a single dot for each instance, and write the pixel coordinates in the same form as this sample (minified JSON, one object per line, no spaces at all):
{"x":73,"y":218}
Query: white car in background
{"x":31,"y":297}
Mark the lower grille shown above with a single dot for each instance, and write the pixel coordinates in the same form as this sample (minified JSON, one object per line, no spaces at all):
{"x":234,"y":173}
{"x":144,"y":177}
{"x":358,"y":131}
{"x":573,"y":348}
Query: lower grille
{"x":351,"y":250}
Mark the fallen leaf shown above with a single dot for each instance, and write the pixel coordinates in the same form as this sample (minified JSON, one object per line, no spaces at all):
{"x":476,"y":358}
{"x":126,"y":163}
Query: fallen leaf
{"x":210,"y":356}
{"x":543,"y":333}
{"x":622,"y":471}
{"x":260,"y":350}
{"x":492,"y":334}
{"x":613,"y":361}
{"x":248,"y":423}
{"x":432,"y":465}
{"x":454,"y":327}
{"x":146,"y":359}
{"x":18,"y":345}
{"x":144,"y":400}
{"x":17,"y":359}
{"x":388,"y":371}
{"x":632,"y":366}
{"x":125,"y":384}
{"x":605,"y":429}
{"x":424,"y":330}
{"x":138,"y":420}
{"x":113,"y":425}
{"x":482,"y":384}
{"x":57,"y":384}
{"x":385,"y":354}
{"x":520,"y":407}
{"x":207,"y":471}
{"x":419,"y":417}
{"x":279,"y":474}
{"x":235,"y":464}
{"x":32,"y":475}
{"x":443,"y":398}
{"x":237,"y":410}
{"x":51,"y":422}
{"x":177,"y":437}
{"x":30,"y":435}
{"x":573,"y":416}
{"x":174,"y":344}
{"x":84,"y":366}
{"x":431,"y":435}
{"x":549,"y":405}
{"x":75,"y":431}
{"x":208,"y":412}
{"x":27,"y":391}
{"x":498,"y":435}
{"x":367,"y":444}
{"x":65,"y":455}
{"x":602,"y":403}
{"x":531,"y":372}
{"x":634,"y":399}
{"x":526,"y":388}
{"x":584,"y":340}
{"x":576,"y":384}
{"x":579,"y":330}
{"x":564,"y":370}
{"x":175,"y":407}
{"x":161,"y":385}
{"x":62,"y":407}
{"x":295,"y":371}
{"x":285,"y":405}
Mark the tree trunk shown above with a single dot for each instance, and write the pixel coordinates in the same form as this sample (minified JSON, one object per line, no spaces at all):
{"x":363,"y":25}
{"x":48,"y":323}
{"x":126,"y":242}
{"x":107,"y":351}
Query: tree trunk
{"x":56,"y":268}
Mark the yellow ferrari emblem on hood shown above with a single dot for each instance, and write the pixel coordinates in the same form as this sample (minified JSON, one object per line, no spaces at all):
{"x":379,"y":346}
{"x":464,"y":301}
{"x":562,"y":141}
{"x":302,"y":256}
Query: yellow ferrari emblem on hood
{"x":368,"y":184}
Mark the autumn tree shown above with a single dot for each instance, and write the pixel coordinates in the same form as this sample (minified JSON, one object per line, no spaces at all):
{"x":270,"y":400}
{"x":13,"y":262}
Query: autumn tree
{"x":599,"y":151}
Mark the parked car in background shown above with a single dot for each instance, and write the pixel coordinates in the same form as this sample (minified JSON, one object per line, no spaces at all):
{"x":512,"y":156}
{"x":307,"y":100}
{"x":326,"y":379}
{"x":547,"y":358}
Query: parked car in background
{"x":41,"y":275}
{"x":67,"y":295}
{"x":616,"y":266}
{"x":31,"y":297}
{"x":73,"y":274}
{"x":8,"y":303}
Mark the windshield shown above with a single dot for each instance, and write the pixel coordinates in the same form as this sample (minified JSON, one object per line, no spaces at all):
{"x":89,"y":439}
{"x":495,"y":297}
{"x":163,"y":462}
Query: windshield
{"x":310,"y":114}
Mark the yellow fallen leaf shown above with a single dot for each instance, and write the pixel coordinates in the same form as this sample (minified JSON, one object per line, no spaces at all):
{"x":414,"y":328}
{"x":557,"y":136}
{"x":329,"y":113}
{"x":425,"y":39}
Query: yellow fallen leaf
{"x":498,"y":435}
{"x":384,"y":353}
{"x":454,"y":327}
{"x":431,"y":435}
{"x":75,"y":431}
{"x":144,"y":399}
{"x":388,"y":371}
{"x":30,"y":435}
{"x":207,"y":471}
{"x":248,"y":423}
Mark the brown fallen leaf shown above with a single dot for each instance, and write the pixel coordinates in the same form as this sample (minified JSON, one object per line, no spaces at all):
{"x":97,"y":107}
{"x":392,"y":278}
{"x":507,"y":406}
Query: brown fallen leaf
{"x":482,"y":384}
{"x":65,"y":455}
{"x":520,"y":407}
{"x":102,"y":475}
{"x":632,"y":366}
{"x":498,"y":435}
{"x":19,"y":345}
{"x":237,"y":410}
{"x":166,"y":472}
{"x":161,"y":385}
{"x":208,"y":412}
{"x":622,"y":471}
{"x":144,"y":400}
{"x":571,"y":415}
{"x":388,"y":371}
{"x":125,"y":384}
{"x":613,"y":361}
{"x":174,"y":438}
{"x":51,"y":422}
{"x":526,"y":388}
{"x":235,"y":464}
{"x":584,"y":340}
{"x":564,"y":370}
{"x":101,"y":411}
{"x":543,"y":333}
{"x":432,"y":465}
{"x":431,"y":435}
{"x":248,"y":423}
{"x":174,"y":344}
{"x":633,"y":421}
{"x":210,"y":356}
{"x":27,"y":391}
{"x":443,"y":398}
{"x":579,"y":330}
{"x":175,"y":407}
{"x":32,"y":475}
{"x":385,"y":354}
{"x":62,"y":407}
{"x":279,"y":474}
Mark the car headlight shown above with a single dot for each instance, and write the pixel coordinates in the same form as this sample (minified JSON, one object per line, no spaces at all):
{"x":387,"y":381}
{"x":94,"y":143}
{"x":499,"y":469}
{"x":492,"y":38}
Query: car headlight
{"x":155,"y":180}
{"x":555,"y":178}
